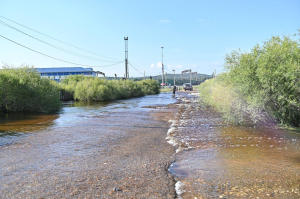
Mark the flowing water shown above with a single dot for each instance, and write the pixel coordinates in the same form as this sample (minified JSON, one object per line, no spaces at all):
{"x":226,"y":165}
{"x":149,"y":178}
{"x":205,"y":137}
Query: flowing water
{"x":218,"y":160}
{"x":88,"y":150}
{"x":213,"y":159}
{"x":17,"y":125}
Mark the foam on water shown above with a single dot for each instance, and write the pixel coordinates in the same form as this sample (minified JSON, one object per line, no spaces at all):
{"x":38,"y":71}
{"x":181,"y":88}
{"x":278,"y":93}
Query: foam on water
{"x":179,"y":187}
{"x":228,"y":157}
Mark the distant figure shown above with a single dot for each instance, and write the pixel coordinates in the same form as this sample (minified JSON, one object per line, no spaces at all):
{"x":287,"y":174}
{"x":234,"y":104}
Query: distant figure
{"x":174,"y":89}
{"x":150,"y":77}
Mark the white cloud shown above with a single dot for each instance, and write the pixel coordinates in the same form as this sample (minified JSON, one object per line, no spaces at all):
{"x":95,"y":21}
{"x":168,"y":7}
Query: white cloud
{"x":164,"y":21}
{"x":152,"y":65}
{"x":215,"y":64}
{"x":179,"y":66}
{"x":194,"y":66}
{"x":158,"y":65}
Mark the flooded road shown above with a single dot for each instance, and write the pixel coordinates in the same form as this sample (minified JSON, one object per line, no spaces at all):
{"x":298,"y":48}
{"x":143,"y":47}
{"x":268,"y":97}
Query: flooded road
{"x":129,"y":148}
{"x":218,"y":160}
{"x":89,"y":150}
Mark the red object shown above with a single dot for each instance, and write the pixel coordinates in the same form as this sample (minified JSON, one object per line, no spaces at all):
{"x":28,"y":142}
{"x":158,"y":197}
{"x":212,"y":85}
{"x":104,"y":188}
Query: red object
{"x":162,"y":84}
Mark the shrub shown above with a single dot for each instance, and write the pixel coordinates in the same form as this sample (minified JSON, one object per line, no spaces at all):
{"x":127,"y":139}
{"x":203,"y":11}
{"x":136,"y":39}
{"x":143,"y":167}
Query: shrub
{"x":266,"y":79}
{"x":95,"y":89}
{"x":23,"y":90}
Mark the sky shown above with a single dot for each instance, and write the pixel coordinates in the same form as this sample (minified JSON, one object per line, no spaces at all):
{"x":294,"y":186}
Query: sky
{"x":195,"y":35}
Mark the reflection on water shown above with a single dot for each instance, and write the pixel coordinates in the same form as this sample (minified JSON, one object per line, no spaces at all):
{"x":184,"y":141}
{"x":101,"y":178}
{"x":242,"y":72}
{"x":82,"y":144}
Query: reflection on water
{"x":73,"y":113}
{"x":15,"y":125}
{"x":25,"y":122}
{"x":217,"y":160}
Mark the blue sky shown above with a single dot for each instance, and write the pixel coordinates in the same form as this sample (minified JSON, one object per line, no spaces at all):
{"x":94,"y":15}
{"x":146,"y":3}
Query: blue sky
{"x":195,"y":34}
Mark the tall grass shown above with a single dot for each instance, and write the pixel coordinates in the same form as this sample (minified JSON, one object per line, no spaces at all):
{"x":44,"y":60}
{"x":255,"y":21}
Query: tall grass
{"x":226,"y":99}
{"x":23,"y":90}
{"x":95,"y":89}
{"x":264,"y":80}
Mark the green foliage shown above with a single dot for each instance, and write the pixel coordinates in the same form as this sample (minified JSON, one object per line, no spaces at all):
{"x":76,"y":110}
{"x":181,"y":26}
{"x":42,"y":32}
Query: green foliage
{"x":221,"y":94}
{"x":95,"y":89}
{"x":23,"y":90}
{"x":267,"y":79}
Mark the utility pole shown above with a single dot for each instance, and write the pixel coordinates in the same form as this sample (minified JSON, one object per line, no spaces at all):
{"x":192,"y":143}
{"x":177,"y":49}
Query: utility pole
{"x":162,"y":65}
{"x":126,"y":58}
{"x":174,"y":77}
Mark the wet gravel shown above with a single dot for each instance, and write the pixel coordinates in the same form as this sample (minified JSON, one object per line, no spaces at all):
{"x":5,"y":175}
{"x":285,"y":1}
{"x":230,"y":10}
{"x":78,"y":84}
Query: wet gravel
{"x":215,"y":159}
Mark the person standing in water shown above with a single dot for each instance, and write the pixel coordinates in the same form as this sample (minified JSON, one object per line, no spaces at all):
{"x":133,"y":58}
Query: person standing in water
{"x":174,"y":89}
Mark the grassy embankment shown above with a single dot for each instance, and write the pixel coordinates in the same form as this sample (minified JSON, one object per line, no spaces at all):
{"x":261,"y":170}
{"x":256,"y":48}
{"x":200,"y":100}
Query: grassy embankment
{"x":257,"y":84}
{"x":23,"y":90}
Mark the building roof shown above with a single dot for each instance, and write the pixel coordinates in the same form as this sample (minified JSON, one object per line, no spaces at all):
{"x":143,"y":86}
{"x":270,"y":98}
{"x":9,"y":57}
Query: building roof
{"x":63,"y":70}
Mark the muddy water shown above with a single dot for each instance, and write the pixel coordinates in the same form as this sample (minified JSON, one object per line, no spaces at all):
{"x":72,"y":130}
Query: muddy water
{"x":119,"y":150}
{"x":15,"y":126}
{"x":217,"y":160}
{"x":89,"y":150}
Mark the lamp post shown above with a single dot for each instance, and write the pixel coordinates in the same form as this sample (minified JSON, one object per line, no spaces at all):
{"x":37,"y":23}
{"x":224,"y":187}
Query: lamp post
{"x":174,"y":77}
{"x":162,"y":66}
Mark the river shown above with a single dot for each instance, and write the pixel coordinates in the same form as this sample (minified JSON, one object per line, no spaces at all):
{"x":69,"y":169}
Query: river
{"x":124,"y":149}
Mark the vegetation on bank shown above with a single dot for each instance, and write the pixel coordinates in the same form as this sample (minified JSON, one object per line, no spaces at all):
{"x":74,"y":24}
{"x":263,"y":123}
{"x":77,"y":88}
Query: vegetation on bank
{"x":260,"y":83}
{"x":94,"y":89}
{"x":23,"y":90}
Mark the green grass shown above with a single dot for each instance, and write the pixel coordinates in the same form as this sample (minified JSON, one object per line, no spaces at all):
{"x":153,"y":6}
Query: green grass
{"x":164,"y":90}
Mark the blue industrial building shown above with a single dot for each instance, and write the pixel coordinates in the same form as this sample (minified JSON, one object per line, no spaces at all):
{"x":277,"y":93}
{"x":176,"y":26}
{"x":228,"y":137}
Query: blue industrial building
{"x":60,"y":73}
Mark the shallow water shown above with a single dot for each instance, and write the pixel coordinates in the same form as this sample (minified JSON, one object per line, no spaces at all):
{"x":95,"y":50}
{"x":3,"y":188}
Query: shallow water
{"x":213,"y":159}
{"x":17,"y":125}
{"x":217,"y":160}
{"x":87,"y":150}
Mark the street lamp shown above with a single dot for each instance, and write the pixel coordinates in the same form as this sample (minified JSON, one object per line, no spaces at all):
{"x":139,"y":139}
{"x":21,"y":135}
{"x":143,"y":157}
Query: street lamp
{"x":162,"y":65}
{"x":174,"y":77}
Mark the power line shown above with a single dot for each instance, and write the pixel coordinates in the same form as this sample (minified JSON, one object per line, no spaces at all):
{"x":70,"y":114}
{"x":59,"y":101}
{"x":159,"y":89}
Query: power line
{"x":57,"y":39}
{"x":135,"y":68}
{"x":62,"y":49}
{"x":54,"y":57}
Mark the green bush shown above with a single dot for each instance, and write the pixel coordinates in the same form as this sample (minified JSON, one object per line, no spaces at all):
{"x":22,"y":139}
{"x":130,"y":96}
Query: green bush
{"x":23,"y":90}
{"x":95,"y":89}
{"x":266,"y":80}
